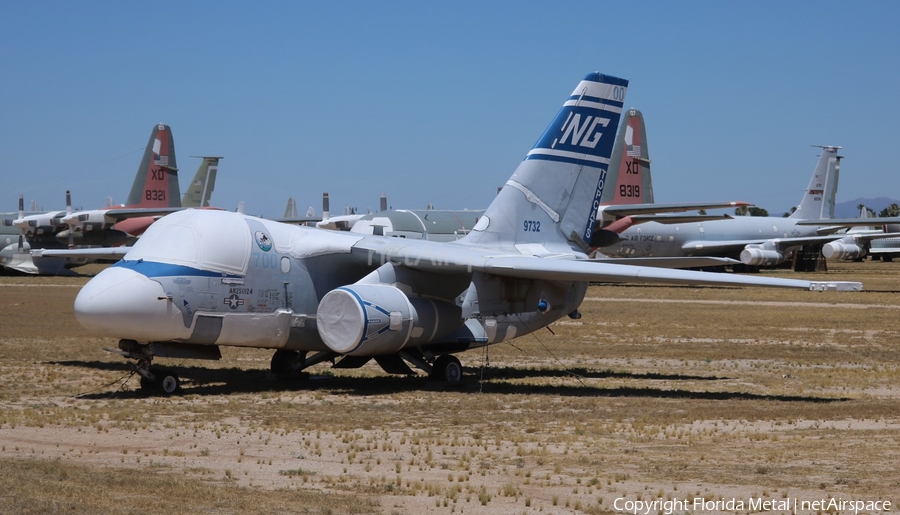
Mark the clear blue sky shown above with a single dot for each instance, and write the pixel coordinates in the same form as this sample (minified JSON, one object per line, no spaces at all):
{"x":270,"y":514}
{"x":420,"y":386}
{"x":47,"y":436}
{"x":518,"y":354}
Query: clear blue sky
{"x":439,"y":101}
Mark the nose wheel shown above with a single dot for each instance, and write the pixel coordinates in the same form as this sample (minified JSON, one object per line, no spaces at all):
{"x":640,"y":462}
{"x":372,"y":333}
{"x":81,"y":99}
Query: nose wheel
{"x":157,"y":380}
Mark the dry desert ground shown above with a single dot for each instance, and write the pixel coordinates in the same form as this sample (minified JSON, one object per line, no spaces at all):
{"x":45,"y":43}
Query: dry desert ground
{"x":656,"y":395}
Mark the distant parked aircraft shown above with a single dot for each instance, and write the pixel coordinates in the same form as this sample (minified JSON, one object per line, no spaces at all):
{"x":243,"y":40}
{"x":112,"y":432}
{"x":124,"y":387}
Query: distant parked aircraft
{"x":155,"y":192}
{"x":757,"y":241}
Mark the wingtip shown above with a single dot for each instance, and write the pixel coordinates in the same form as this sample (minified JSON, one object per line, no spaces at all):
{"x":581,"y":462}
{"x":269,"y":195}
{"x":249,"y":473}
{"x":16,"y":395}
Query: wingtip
{"x":835,"y":286}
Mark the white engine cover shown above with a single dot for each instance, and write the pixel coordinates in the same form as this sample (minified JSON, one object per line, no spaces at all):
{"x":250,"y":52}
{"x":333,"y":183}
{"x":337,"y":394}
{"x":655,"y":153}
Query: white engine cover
{"x":365,"y":319}
{"x":761,"y":257}
{"x":375,"y":319}
{"x":840,"y":250}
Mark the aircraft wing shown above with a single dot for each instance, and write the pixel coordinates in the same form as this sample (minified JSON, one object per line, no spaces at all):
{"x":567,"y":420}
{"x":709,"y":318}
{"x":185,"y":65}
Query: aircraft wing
{"x":725,"y":246}
{"x":850,"y":222}
{"x":298,"y":220}
{"x":623,"y":210}
{"x":671,"y":262}
{"x":125,"y":213}
{"x":583,"y":270}
{"x":872,"y":236}
{"x":453,"y":258}
{"x":92,"y":253}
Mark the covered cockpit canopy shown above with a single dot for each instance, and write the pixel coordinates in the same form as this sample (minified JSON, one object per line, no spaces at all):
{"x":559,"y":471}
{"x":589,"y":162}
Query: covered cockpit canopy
{"x":216,"y":241}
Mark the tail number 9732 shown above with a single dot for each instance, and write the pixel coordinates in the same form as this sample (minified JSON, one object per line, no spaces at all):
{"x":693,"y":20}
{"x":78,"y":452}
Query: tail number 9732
{"x":532,"y":226}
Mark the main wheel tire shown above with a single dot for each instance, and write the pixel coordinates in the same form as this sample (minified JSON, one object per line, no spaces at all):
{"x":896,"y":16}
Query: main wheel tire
{"x":169,"y":383}
{"x":282,"y":361}
{"x":147,"y":385}
{"x":447,"y":368}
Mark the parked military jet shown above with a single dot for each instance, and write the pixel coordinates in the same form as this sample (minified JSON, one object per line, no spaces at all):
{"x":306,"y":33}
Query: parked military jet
{"x":197,"y":280}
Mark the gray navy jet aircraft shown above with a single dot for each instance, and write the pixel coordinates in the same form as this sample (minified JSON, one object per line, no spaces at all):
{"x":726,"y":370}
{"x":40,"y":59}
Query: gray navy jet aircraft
{"x":197,"y":280}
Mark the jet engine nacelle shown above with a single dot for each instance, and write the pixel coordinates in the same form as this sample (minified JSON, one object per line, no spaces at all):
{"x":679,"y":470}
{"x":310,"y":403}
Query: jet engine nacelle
{"x":756,"y":255}
{"x":375,"y":319}
{"x":842,"y":250}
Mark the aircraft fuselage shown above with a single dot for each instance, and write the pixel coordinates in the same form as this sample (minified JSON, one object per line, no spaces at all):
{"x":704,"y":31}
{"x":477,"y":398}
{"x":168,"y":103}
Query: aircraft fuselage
{"x":725,"y":238}
{"x":229,"y":279}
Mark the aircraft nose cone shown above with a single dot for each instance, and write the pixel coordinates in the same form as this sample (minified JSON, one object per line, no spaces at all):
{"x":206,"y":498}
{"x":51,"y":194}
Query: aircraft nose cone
{"x":125,"y":304}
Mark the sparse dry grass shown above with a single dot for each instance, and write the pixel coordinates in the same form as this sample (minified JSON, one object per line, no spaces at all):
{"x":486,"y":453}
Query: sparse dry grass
{"x":745,"y":392}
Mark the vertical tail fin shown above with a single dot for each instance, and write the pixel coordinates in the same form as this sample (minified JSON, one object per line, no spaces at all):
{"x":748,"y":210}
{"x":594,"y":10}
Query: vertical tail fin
{"x":628,"y":180}
{"x":156,"y":182}
{"x":552,"y":197}
{"x":202,"y":185}
{"x":818,"y":200}
{"x":290,"y":210}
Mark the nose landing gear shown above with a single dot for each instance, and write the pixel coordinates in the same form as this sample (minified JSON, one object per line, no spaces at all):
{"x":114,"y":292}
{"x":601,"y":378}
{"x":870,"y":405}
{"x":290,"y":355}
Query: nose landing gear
{"x":157,"y":380}
{"x":153,"y":380}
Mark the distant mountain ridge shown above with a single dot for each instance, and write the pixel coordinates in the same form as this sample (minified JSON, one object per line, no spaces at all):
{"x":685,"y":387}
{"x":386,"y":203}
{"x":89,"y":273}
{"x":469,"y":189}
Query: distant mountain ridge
{"x":849,"y":208}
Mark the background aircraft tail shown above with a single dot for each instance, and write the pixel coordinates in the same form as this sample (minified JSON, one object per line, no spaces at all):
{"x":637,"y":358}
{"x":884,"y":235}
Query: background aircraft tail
{"x":156,"y":182}
{"x":290,"y":210}
{"x":204,"y":182}
{"x":818,"y":201}
{"x":628,"y":180}
{"x":553,"y":195}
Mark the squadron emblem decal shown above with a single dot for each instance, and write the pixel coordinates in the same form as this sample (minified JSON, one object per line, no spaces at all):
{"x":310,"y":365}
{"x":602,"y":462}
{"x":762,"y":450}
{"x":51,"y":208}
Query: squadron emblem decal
{"x":263,"y":241}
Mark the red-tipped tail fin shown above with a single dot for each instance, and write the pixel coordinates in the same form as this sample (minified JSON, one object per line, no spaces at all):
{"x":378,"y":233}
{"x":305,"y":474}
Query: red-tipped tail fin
{"x":156,"y":182}
{"x":629,"y":167}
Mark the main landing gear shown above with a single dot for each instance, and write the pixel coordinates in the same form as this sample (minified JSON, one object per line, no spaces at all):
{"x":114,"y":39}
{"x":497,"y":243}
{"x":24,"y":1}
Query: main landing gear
{"x":445,"y":368}
{"x":290,"y":362}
